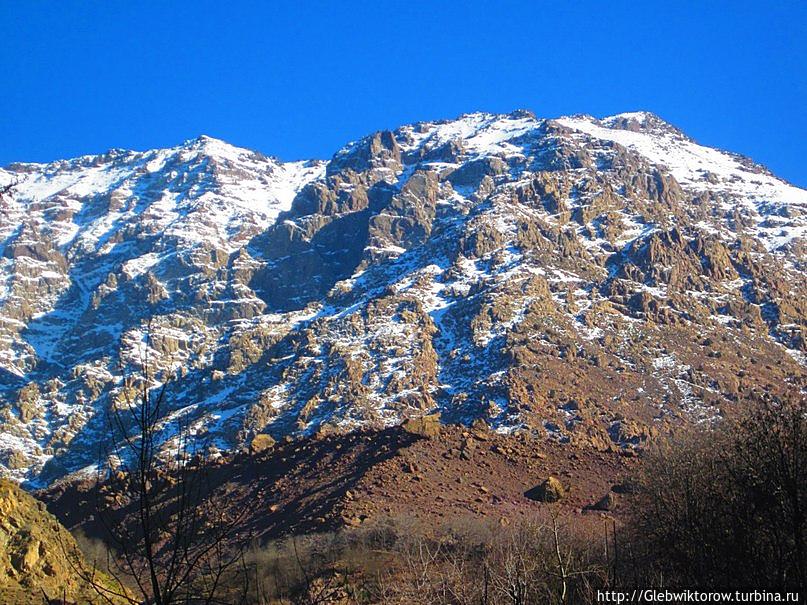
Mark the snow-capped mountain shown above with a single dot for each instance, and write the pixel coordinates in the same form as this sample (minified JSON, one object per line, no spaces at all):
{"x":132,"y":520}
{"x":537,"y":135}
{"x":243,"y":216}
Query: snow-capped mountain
{"x":589,"y":280}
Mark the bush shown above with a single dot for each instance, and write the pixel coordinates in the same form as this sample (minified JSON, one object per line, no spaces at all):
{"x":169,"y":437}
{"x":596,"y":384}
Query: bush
{"x":402,"y":562}
{"x":726,"y":508}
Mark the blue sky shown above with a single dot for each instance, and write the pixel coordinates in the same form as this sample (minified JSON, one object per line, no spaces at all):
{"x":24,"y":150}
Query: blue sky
{"x":300,"y":79}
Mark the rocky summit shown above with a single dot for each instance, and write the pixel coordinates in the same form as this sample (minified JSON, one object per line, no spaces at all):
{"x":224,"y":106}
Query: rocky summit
{"x":587,"y":281}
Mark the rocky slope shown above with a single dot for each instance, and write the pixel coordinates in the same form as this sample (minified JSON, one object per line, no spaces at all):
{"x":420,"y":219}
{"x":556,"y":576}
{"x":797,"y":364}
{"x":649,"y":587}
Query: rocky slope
{"x":39,"y":559}
{"x":369,"y":478}
{"x":585,"y":281}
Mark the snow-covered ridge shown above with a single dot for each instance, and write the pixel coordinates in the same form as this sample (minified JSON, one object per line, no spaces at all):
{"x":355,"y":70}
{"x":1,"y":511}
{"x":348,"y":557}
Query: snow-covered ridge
{"x":777,"y":208}
{"x":130,"y":212}
{"x":273,"y":188}
{"x":694,"y":166}
{"x":481,"y":133}
{"x":250,"y":179}
{"x":204,"y":191}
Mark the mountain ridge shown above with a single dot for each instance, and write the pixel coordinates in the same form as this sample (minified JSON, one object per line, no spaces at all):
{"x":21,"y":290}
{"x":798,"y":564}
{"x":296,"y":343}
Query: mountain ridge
{"x":462,"y":266}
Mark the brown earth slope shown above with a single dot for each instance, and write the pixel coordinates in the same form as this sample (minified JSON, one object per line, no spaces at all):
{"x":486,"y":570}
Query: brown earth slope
{"x":362,"y":478}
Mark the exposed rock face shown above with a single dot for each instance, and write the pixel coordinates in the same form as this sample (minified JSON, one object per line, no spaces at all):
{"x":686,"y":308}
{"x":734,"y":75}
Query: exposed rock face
{"x":586,"y":281}
{"x":37,"y":555}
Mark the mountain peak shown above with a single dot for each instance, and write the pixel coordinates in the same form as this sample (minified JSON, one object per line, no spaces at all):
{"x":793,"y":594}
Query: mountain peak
{"x":641,"y":121}
{"x":213,"y":147}
{"x":640,"y":117}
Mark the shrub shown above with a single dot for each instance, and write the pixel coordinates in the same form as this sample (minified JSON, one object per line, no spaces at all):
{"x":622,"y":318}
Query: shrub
{"x":726,"y":508}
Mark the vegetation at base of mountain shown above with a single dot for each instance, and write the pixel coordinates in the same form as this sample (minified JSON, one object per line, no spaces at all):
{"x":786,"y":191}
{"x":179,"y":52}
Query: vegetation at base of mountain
{"x":729,"y":506}
{"x":403,"y":562}
{"x":169,"y":541}
{"x":717,"y":508}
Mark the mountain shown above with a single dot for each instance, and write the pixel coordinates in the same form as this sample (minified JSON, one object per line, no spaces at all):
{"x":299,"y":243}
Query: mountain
{"x":588,"y":281}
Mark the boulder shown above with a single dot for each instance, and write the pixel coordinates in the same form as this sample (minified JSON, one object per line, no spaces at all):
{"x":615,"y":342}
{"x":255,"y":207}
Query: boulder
{"x":424,"y":426}
{"x":550,"y":490}
{"x":625,"y":487}
{"x":261,"y":443}
{"x":606,"y":503}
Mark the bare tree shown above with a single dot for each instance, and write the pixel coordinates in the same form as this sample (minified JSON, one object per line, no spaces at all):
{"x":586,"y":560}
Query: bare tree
{"x":171,"y":543}
{"x":728,"y":507}
{"x":529,"y":563}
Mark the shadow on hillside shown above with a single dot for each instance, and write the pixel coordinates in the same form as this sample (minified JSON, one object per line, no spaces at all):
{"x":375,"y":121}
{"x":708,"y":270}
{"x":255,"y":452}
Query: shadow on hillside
{"x":293,"y":489}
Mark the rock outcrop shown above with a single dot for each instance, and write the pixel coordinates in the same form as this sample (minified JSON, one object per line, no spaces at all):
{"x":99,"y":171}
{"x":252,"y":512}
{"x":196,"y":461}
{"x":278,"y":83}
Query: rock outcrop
{"x":38,"y":557}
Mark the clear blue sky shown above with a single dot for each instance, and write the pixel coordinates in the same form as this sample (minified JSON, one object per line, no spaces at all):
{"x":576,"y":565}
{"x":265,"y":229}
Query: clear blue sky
{"x":299,"y":79}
